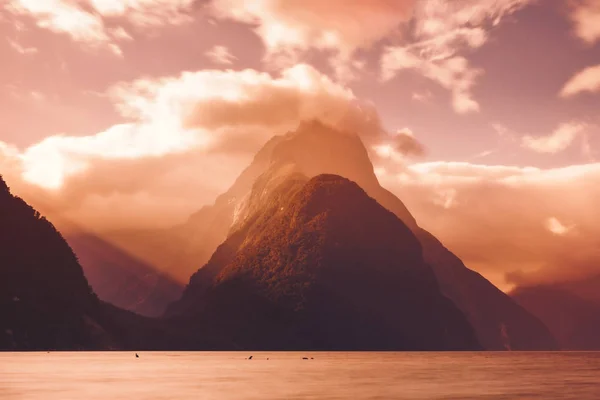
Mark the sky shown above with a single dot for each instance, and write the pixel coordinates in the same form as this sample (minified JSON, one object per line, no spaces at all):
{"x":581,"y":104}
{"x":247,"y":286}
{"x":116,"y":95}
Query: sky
{"x":483,"y":116}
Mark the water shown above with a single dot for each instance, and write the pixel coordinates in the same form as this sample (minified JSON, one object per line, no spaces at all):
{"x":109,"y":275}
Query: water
{"x":224,"y":376}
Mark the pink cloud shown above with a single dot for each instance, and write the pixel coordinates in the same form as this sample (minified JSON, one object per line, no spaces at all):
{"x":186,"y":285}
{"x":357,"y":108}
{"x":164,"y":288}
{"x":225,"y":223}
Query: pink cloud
{"x":220,"y":55}
{"x":444,"y":29}
{"x":555,"y":142}
{"x":288,"y":28}
{"x":95,"y":23}
{"x":587,"y":80}
{"x":289,"y":25}
{"x":501,"y":219}
{"x":585,"y":15}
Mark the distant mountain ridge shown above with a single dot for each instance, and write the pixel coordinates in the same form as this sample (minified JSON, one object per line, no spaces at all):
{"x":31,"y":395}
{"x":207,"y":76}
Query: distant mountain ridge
{"x":122,"y":280}
{"x":571,"y":310}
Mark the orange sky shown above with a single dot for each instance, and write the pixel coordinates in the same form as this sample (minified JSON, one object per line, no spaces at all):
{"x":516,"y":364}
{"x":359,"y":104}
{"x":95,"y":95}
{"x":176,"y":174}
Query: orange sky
{"x":134,"y":113}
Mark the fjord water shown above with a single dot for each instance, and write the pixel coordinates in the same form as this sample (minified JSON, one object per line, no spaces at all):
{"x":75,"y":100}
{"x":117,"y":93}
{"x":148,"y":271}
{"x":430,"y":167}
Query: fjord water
{"x":223,"y":376}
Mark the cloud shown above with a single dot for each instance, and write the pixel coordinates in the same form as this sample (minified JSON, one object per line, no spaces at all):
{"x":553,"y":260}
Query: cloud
{"x":51,"y":161}
{"x":404,"y":142}
{"x":587,"y":80}
{"x":393,"y":151}
{"x":540,"y":223}
{"x":445,"y":198}
{"x":443,"y":29}
{"x":438,"y":17}
{"x":585,"y":15}
{"x":505,"y":133}
{"x":61,"y":16}
{"x":423,"y":97}
{"x":21,"y":49}
{"x":557,"y":141}
{"x":484,"y":153}
{"x":220,"y":55}
{"x":557,"y":227}
{"x":289,"y":28}
{"x":453,"y":74}
{"x":179,"y":127}
{"x":9,"y":159}
{"x":146,"y":13}
{"x":121,"y":34}
{"x":96,"y":23}
{"x":213,"y":100}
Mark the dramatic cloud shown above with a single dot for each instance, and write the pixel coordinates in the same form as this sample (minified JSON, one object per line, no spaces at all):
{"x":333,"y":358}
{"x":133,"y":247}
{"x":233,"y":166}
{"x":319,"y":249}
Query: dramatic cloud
{"x":95,"y":23}
{"x":290,"y":27}
{"x":508,"y":221}
{"x":587,"y":80}
{"x":443,"y":29}
{"x":220,"y":55}
{"x":557,"y":141}
{"x":215,"y":100}
{"x":586,"y":17}
{"x":286,"y":26}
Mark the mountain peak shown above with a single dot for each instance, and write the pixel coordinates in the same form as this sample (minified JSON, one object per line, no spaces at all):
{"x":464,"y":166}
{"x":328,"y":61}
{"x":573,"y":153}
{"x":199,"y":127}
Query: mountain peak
{"x":317,"y":148}
{"x":318,"y":264}
{"x":312,"y":149}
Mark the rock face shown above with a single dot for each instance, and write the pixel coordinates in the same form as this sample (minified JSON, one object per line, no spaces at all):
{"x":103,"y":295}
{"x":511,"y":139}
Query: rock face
{"x":318,"y":264}
{"x":45,"y":300}
{"x":313,"y":149}
{"x":568,"y":309}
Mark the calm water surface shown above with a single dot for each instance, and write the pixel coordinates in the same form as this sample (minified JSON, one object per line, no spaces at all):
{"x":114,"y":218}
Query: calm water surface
{"x":224,"y":376}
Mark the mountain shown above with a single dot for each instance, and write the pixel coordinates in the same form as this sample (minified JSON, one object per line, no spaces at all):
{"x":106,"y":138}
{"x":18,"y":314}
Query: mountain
{"x":314,"y":149}
{"x":45,"y":299}
{"x":571,"y":310}
{"x":122,"y":280}
{"x":318,"y":264}
{"x":587,"y":288}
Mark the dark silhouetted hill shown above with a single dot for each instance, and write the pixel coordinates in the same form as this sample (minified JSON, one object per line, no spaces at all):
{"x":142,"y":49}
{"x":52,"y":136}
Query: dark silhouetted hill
{"x":45,"y":299}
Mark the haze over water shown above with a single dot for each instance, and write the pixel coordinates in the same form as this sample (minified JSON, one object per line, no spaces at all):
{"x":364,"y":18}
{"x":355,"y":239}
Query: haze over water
{"x":228,"y":375}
